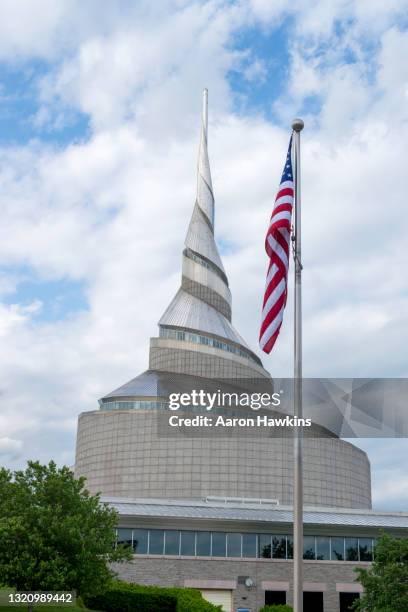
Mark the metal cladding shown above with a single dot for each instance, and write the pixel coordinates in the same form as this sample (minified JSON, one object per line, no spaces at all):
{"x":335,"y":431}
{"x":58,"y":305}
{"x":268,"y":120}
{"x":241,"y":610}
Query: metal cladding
{"x":203,"y":304}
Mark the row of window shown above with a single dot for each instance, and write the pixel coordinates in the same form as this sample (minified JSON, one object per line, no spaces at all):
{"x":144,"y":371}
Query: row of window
{"x":132,"y":405}
{"x":206,"y":264}
{"x":247,"y":545}
{"x":199,"y":339}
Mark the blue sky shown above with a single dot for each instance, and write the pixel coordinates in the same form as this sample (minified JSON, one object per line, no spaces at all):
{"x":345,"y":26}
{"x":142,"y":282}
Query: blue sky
{"x":99,"y":125}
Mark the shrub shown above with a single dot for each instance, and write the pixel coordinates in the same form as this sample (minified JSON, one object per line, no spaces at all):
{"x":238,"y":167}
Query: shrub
{"x":127,"y":597}
{"x":277,"y":608}
{"x":127,"y":600}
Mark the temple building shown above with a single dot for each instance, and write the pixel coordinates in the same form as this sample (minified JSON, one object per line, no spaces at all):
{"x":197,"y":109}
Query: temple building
{"x":214,"y":512}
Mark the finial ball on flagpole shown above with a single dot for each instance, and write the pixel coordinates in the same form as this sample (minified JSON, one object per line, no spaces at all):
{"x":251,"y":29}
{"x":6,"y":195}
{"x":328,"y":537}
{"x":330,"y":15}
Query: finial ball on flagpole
{"x":298,"y":125}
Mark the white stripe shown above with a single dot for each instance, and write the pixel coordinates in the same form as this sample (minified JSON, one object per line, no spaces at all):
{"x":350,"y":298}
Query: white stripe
{"x":276,"y":247}
{"x":274,"y":268}
{"x":285,"y":214}
{"x":274,"y":297}
{"x":286,"y":185}
{"x":286,"y":199}
{"x":271,"y":329}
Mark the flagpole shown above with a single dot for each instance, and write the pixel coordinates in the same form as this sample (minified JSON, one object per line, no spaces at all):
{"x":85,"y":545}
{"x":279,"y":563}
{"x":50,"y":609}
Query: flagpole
{"x":297,"y":126}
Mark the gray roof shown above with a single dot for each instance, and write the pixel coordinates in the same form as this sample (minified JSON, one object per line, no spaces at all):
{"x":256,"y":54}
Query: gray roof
{"x":156,"y":383}
{"x":200,"y":238}
{"x":312,"y":516}
{"x":189,"y":312}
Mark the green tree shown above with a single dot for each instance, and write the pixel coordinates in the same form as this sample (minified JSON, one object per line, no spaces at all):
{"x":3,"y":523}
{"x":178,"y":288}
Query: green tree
{"x":54,"y":535}
{"x":386,"y":581}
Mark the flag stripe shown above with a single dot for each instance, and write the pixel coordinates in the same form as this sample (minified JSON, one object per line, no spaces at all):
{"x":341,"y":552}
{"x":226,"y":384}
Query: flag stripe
{"x":277,"y":246}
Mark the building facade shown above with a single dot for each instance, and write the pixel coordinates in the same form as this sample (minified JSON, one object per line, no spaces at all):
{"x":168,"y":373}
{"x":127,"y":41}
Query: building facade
{"x":173,"y":484}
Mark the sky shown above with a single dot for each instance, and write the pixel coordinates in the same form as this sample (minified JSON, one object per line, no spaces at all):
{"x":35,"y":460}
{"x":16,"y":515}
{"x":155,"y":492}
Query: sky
{"x":99,"y":129}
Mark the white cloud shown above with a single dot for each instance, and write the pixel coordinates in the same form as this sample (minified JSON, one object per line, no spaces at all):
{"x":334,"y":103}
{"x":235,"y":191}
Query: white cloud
{"x":10,"y":449}
{"x":112,"y":211}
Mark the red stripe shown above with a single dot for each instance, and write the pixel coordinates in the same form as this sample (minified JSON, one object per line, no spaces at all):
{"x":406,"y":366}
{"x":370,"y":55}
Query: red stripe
{"x":273,"y":283}
{"x":274,"y":311}
{"x":281,"y":208}
{"x":285,"y":191}
{"x":271,"y":342}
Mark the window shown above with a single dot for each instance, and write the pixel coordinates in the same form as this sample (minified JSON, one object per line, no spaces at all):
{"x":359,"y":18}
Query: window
{"x":337,"y":549}
{"x":234,"y":544}
{"x":313,"y":601}
{"x":322,"y":548}
{"x":203,"y":543}
{"x":187,"y":543}
{"x":347,"y":600}
{"x":219,"y":544}
{"x":265,"y":547}
{"x":309,"y":547}
{"x":125,"y":537}
{"x":273,"y":598}
{"x":365,"y":549}
{"x":279,"y":547}
{"x":289,"y":545}
{"x":140,"y":541}
{"x":249,"y":544}
{"x":351,"y":546}
{"x":156,"y":542}
{"x":172,"y":543}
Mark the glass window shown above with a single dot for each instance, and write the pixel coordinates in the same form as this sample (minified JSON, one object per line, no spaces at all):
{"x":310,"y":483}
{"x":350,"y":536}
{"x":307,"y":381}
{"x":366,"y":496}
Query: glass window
{"x":218,"y":544}
{"x":309,"y":547}
{"x":233,"y":544}
{"x":249,"y":544}
{"x":337,"y":549}
{"x":323,"y":548}
{"x":279,"y":547}
{"x":203,"y":543}
{"x":365,"y":547}
{"x":172,"y":543}
{"x":187,"y":543}
{"x":289,"y":544}
{"x":351,"y":549}
{"x":140,"y":541}
{"x":156,"y":542}
{"x":265,"y":547}
{"x":125,"y":537}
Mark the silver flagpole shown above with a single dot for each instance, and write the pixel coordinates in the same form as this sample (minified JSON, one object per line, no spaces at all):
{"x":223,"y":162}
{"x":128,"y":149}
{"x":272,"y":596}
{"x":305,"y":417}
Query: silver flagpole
{"x":297,"y":126}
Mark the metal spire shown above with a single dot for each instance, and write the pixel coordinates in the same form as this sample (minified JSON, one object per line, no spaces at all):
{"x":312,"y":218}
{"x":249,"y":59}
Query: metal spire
{"x":205,"y":195}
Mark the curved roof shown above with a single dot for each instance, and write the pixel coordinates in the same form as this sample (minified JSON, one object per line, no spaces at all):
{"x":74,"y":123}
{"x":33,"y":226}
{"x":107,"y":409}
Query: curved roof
{"x":189,"y":312}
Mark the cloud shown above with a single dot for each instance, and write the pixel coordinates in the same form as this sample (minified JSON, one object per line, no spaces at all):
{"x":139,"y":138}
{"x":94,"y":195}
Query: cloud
{"x":110,"y":209}
{"x":10,"y":449}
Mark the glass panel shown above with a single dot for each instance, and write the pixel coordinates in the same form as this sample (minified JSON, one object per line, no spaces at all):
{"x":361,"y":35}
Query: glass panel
{"x":265,"y":546}
{"x":309,"y":547}
{"x":279,"y":547}
{"x":125,"y":537}
{"x":140,"y":541}
{"x":289,"y":544}
{"x":365,"y":546}
{"x":156,"y":542}
{"x":351,"y":549}
{"x":323,"y":548}
{"x":203,"y":543}
{"x":187,"y":545}
{"x":233,"y":544}
{"x":172,"y":543}
{"x":337,"y":546}
{"x":218,"y":544}
{"x":249,"y":542}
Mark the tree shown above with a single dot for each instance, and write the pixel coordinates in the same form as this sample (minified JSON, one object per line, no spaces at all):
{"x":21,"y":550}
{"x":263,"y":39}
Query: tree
{"x":386,"y":582}
{"x":54,"y":535}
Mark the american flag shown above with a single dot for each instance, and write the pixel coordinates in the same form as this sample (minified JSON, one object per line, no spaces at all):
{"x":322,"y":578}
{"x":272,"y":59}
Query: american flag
{"x":277,"y":246}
